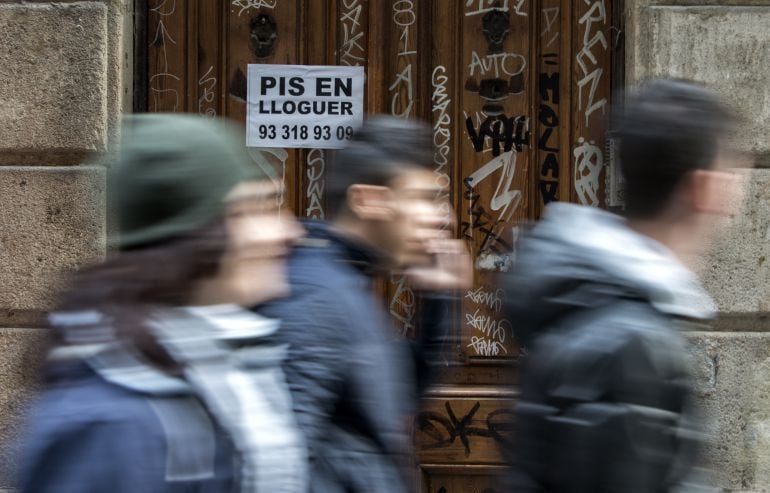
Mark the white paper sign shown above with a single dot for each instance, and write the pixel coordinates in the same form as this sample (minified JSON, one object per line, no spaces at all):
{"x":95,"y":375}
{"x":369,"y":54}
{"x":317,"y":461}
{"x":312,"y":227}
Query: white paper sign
{"x":303,"y":105}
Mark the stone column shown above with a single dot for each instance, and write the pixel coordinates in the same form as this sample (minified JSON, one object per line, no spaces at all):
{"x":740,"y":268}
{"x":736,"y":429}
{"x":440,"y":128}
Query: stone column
{"x":725,"y":45}
{"x":63,"y":73}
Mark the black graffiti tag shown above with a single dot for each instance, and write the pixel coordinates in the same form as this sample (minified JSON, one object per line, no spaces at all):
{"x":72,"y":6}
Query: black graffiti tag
{"x":505,"y":133}
{"x":481,"y":220}
{"x":549,"y":119}
{"x":444,"y":430}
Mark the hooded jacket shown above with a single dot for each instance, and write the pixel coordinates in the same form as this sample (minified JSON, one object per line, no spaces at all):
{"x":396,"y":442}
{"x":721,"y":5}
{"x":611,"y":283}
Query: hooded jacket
{"x":605,"y":385}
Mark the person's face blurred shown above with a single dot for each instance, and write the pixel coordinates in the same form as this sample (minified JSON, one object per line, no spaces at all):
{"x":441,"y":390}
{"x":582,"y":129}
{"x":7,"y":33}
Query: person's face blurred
{"x":259,"y":239}
{"x":418,"y":217}
{"x":712,"y":197}
{"x":718,"y":192}
{"x":724,"y":185}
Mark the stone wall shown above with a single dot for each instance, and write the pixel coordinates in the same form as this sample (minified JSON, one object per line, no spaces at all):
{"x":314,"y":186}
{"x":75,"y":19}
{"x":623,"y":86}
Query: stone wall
{"x":63,"y":86}
{"x":725,"y":45}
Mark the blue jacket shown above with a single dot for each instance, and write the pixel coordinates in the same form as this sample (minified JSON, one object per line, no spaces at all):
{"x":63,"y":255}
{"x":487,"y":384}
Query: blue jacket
{"x":89,"y":435}
{"x":110,"y":421}
{"x":353,"y":379}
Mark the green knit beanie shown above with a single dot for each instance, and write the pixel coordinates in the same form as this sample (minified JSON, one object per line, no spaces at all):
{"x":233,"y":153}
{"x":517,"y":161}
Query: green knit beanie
{"x":173,"y":174}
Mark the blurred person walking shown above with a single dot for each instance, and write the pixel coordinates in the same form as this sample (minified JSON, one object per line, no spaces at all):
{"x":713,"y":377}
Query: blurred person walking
{"x":159,"y":380}
{"x":353,"y":381}
{"x":598,"y":301}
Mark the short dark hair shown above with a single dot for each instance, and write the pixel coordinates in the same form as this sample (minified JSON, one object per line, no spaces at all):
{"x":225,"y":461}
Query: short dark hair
{"x":378,"y":151}
{"x":669,"y":129}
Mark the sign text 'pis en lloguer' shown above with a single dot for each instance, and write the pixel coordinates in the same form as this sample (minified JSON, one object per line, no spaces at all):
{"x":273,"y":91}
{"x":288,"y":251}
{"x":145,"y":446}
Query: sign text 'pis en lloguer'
{"x":303,"y":105}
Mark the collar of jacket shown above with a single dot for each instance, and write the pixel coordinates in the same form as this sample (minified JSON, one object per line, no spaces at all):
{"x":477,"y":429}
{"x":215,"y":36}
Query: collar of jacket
{"x":121,"y":365}
{"x":604,"y":241}
{"x":89,"y":338}
{"x":367,"y":260}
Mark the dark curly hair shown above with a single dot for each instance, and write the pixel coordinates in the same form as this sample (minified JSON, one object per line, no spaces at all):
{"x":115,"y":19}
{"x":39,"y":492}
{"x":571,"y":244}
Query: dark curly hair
{"x":128,"y":286}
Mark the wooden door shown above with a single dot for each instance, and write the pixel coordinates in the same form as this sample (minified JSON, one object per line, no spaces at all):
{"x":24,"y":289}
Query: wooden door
{"x":518,"y":93}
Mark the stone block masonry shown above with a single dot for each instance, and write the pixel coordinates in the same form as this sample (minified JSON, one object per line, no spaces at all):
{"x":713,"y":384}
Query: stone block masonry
{"x":53,"y":82}
{"x":725,"y":44}
{"x":52,"y":223}
{"x":64,"y":83}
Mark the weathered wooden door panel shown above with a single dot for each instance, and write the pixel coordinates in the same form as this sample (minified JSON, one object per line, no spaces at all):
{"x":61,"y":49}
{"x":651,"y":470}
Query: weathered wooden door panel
{"x":470,"y":430}
{"x":495,"y":110}
{"x":467,"y":479}
{"x":167,"y":51}
{"x":264,"y":35}
{"x":518,"y":94}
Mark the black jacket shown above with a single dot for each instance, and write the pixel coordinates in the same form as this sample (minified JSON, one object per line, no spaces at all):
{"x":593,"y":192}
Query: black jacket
{"x":605,"y":386}
{"x":353,"y":379}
